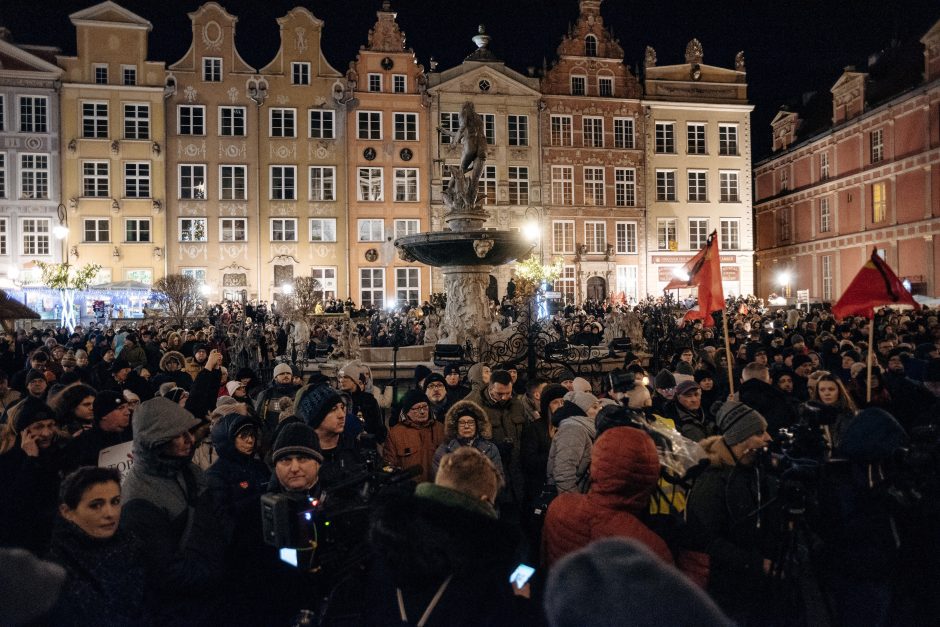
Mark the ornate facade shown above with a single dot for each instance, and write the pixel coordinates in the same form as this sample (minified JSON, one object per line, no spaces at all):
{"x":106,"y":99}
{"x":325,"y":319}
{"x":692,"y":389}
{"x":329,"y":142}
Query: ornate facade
{"x":867,"y":176}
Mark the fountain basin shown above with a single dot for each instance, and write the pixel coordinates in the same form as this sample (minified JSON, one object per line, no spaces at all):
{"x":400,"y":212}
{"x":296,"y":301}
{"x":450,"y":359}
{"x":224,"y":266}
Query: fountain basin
{"x":464,"y":248}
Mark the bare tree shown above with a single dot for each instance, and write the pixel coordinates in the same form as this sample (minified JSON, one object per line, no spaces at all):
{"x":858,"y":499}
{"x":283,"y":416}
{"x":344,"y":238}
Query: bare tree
{"x":180,"y":294}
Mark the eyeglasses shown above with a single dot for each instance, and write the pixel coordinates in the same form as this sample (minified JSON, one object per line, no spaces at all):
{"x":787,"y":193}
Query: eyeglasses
{"x":435,"y":386}
{"x":469,"y":422}
{"x":419,"y":408}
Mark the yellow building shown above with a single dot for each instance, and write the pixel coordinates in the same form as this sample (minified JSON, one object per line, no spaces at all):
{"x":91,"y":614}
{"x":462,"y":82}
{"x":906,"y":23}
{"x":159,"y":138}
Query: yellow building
{"x":389,"y":135}
{"x":113,"y":151}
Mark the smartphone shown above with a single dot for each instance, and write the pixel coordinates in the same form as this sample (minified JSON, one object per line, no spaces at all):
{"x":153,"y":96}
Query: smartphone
{"x":520,"y":577}
{"x":288,"y":556}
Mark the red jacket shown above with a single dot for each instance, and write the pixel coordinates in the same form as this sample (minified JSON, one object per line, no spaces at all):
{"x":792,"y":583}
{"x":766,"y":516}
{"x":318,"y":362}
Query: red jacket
{"x":624,"y":473}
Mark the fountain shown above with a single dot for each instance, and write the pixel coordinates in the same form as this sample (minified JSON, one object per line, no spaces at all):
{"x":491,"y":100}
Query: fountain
{"x":464,"y":251}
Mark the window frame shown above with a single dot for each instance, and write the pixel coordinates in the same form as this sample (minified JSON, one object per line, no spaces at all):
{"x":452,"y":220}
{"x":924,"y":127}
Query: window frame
{"x":564,"y":231}
{"x":412,"y":226}
{"x":562,"y":186}
{"x":578,"y":79}
{"x":327,"y":226}
{"x":667,"y":234}
{"x":138,"y":177}
{"x":696,"y":134}
{"x":727,"y":192}
{"x":32,"y":113}
{"x":194,"y":219}
{"x":666,"y":188}
{"x":97,"y":230}
{"x":311,"y":188}
{"x":304,"y":73}
{"x":725,"y":237}
{"x":625,"y":139}
{"x":285,"y":173}
{"x":876,"y":145}
{"x":228,"y":118}
{"x":623,"y":241}
{"x":284,"y":222}
{"x":238,"y":173}
{"x":321,"y":124}
{"x":825,"y":215}
{"x":563,"y":135}
{"x":396,"y":78}
{"x":608,"y":91}
{"x":698,"y":232}
{"x":402,"y":179}
{"x":517,"y":129}
{"x":99,"y":122}
{"x":594,"y":185}
{"x":412,"y":276}
{"x":285,"y":114}
{"x":124,"y":70}
{"x":233,"y":229}
{"x":97,"y":176}
{"x":373,"y":125}
{"x":212,"y":70}
{"x":624,"y":188}
{"x":371,"y":224}
{"x":729,"y":145}
{"x":192,"y":124}
{"x":518,"y":186}
{"x":4,"y":236}
{"x":40,"y":176}
{"x":697,"y":185}
{"x":596,"y":132}
{"x":374,"y":82}
{"x":42,"y":237}
{"x":373,"y":290}
{"x":879,"y":202}
{"x":594,"y":244}
{"x":364,"y":194}
{"x":193,"y":188}
{"x":409,"y":126}
{"x":136,"y":122}
{"x":665,"y":138}
{"x":138,"y":221}
{"x":327,"y":283}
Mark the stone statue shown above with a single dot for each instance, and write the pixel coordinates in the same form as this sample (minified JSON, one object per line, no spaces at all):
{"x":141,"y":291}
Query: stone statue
{"x":352,"y":341}
{"x":471,"y":135}
{"x":694,"y":52}
{"x":352,"y":77}
{"x":650,"y":60}
{"x":739,"y":61}
{"x":431,"y":334}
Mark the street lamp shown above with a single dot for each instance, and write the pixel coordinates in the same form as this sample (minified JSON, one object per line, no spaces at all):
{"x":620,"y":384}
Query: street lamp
{"x":783,"y":279}
{"x":287,"y":288}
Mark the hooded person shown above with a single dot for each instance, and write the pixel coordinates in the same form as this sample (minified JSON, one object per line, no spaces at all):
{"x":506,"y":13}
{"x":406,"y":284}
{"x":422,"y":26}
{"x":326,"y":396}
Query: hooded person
{"x":325,"y":411}
{"x":352,"y":381}
{"x":466,"y":424}
{"x":413,"y":441}
{"x":478,"y":376}
{"x":267,"y":406}
{"x":172,"y":366}
{"x":455,"y":389}
{"x":569,"y":459}
{"x":238,"y":477}
{"x":165,"y":501}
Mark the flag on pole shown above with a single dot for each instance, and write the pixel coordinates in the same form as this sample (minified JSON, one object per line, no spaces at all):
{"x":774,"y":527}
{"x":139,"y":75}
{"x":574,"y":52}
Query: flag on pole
{"x":875,"y":285}
{"x":704,"y":272}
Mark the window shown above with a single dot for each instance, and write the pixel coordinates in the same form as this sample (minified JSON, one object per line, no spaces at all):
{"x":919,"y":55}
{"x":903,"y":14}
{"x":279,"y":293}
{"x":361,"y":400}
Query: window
{"x":595,"y":237}
{"x":129,"y":74}
{"x":322,"y":183}
{"x":283,"y":182}
{"x":399,"y":82}
{"x":136,"y":121}
{"x":192,"y":182}
{"x":666,"y":185}
{"x":322,"y":124}
{"x":232,"y":121}
{"x":877,"y":145}
{"x":371,"y":230}
{"x":825,"y":216}
{"x":695,"y":133}
{"x":605,"y":86}
{"x":406,"y":127}
{"x":370,"y":125}
{"x":590,"y":46}
{"x":406,"y":227}
{"x":730,"y":234}
{"x":137,"y":230}
{"x":486,"y":189}
{"x":96,"y":230}
{"x":101,"y":74}
{"x":197,"y":273}
{"x":698,"y":185}
{"x":326,"y":277}
{"x":3,"y":175}
{"x":232,"y":182}
{"x":406,"y":184}
{"x":625,"y":187}
{"x":666,"y":234}
{"x":95,"y":120}
{"x":283,"y":123}
{"x":728,"y":139}
{"x":594,"y":186}
{"x":593,"y":132}
{"x":407,"y":286}
{"x":578,"y":85}
{"x":375,"y":82}
{"x":879,"y":203}
{"x":284,"y":230}
{"x":370,"y":185}
{"x":627,"y":282}
{"x":784,"y":179}
{"x":665,"y":137}
{"x":626,"y":238}
{"x":623,"y":133}
{"x":191,"y":119}
{"x":95,"y":179}
{"x":698,"y":233}
{"x":3,"y":118}
{"x":783,"y":224}
{"x":3,"y":237}
{"x":193,"y":230}
{"x":518,"y":185}
{"x":141,"y":275}
{"x":212,"y":69}
{"x":372,"y":287}
{"x":137,"y":179}
{"x":233,"y":229}
{"x":823,"y":166}
{"x":562,"y":185}
{"x":561,"y":130}
{"x":34,"y":176}
{"x":322,"y":229}
{"x":827,"y":277}
{"x":565,"y":284}
{"x":35,"y":236}
{"x":33,"y":114}
{"x":489,"y":127}
{"x":518,"y":130}
{"x":563,"y":237}
{"x":728,"y":184}
{"x":449,"y":122}
{"x":300,"y":73}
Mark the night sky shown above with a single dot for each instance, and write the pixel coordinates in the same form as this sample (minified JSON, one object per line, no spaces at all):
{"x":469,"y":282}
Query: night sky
{"x":790,"y":46}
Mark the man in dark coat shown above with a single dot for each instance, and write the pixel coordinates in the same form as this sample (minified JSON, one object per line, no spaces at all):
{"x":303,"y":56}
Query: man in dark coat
{"x":364,"y":406}
{"x":685,"y":410}
{"x":757,"y":392}
{"x":112,"y":420}
{"x":267,"y":401}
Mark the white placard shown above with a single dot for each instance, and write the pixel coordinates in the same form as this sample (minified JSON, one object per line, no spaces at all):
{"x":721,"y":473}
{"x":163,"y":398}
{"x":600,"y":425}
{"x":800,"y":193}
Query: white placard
{"x":120,"y":457}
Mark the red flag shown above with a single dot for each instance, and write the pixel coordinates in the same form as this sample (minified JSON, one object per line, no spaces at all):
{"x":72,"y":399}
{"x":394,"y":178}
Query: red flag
{"x":875,"y":285}
{"x":703,"y":271}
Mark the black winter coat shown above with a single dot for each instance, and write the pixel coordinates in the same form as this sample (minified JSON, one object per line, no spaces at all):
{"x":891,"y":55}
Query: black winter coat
{"x":769,"y":402}
{"x":534,"y":452}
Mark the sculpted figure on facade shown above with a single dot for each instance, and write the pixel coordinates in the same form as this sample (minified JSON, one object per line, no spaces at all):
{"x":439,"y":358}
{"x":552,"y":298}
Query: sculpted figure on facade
{"x":650,"y":59}
{"x":471,"y":135}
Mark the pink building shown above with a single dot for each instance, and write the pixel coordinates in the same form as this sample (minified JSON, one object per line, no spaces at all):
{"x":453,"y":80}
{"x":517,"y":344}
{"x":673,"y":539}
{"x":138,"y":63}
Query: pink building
{"x":854,"y":169}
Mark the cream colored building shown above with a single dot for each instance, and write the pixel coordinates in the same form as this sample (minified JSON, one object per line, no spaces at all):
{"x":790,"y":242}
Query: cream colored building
{"x":113,"y":148}
{"x":509,"y":103}
{"x":698,"y":168}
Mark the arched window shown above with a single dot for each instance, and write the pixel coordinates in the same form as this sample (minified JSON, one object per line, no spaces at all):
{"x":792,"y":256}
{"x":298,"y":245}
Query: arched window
{"x":590,"y":46}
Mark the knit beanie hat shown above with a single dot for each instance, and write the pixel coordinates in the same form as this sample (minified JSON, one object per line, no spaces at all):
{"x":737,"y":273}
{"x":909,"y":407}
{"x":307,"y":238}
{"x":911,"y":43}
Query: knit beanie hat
{"x":107,"y":401}
{"x":354,"y":371}
{"x":550,"y":393}
{"x":434,"y":377}
{"x":580,"y":384}
{"x":449,"y":368}
{"x":412,"y":398}
{"x":34,"y":374}
{"x":222,"y":401}
{"x":421,"y":372}
{"x":231,"y":386}
{"x":313,"y":402}
{"x":566,"y":374}
{"x":799,"y":360}
{"x":31,"y":411}
{"x":685,"y":368}
{"x":282,"y":369}
{"x":297,"y":439}
{"x":664,"y":380}
{"x":584,"y":400}
{"x":618,"y":581}
{"x":703,"y":373}
{"x":737,"y":422}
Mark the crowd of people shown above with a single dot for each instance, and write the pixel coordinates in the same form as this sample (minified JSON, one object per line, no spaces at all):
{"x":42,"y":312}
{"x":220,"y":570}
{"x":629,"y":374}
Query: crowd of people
{"x":791,"y":484}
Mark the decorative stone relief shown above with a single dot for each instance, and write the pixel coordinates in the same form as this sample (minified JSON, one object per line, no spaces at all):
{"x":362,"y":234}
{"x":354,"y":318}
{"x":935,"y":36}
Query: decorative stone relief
{"x":235,"y":280}
{"x":284,"y":249}
{"x":233,"y":251}
{"x":283,"y":151}
{"x":694,"y":52}
{"x":233,"y":95}
{"x":650,"y":57}
{"x":33,"y":143}
{"x":739,"y":61}
{"x":386,"y":36}
{"x":300,"y":39}
{"x":192,"y":251}
{"x":282,"y":99}
{"x":191,"y":150}
{"x":233,"y":151}
{"x":190,"y":93}
{"x":212,"y":34}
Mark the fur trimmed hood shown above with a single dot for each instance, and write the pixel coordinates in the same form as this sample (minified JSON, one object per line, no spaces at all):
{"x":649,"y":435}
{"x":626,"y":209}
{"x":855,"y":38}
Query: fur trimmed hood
{"x":178,"y":356}
{"x":467,"y":408}
{"x":717,"y":451}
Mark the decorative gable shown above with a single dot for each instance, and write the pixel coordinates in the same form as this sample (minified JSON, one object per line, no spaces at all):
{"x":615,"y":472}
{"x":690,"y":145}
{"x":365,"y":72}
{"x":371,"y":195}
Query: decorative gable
{"x":109,"y":12}
{"x":848,"y":96}
{"x":785,"y":125}
{"x":213,"y":35}
{"x":386,"y":36}
{"x":931,"y":43}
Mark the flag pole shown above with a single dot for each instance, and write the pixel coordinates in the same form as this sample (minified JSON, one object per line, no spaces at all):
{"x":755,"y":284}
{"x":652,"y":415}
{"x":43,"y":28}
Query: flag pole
{"x":724,"y":324}
{"x":871,"y":339}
